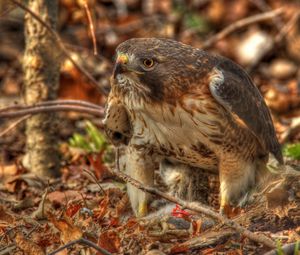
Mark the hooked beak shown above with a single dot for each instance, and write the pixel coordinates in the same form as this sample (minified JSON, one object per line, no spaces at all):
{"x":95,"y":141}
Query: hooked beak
{"x":120,"y":65}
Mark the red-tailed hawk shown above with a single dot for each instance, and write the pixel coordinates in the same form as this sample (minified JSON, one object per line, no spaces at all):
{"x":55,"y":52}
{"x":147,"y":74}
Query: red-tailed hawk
{"x":185,"y":106}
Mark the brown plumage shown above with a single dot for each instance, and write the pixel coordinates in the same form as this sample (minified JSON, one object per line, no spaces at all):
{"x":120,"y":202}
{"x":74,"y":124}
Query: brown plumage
{"x":195,"y":108}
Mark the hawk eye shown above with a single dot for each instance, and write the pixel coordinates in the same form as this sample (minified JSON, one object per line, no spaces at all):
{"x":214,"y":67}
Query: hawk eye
{"x":148,"y":63}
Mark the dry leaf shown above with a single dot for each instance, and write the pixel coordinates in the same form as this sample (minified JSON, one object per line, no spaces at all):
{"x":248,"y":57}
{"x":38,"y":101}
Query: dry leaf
{"x":72,"y":209}
{"x":155,"y":252}
{"x":27,"y":246}
{"x":6,"y":217}
{"x":61,"y":198}
{"x":69,"y":232}
{"x":110,"y":241}
{"x":8,"y":170}
{"x":102,"y":210}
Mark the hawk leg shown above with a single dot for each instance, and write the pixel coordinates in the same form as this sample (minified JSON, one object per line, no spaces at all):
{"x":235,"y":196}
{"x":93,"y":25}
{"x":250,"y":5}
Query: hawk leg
{"x":139,"y":165}
{"x":237,"y":177}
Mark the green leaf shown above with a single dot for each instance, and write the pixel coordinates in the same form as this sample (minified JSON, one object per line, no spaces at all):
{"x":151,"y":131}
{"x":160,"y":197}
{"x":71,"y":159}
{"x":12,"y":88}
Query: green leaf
{"x":279,"y":248}
{"x":80,"y":142}
{"x":297,"y":248}
{"x":96,"y":137}
{"x":196,"y":22}
{"x":292,"y":151}
{"x":93,"y":141}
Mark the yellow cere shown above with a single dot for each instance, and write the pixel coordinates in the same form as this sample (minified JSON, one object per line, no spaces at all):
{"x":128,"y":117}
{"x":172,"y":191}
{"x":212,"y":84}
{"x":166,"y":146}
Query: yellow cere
{"x":122,"y":58}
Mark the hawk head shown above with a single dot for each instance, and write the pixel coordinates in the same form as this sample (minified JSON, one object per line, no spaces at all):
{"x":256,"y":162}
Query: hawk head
{"x":154,"y":68}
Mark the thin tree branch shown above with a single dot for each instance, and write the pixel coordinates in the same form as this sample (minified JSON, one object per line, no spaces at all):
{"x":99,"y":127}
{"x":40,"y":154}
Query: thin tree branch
{"x":62,"y":46}
{"x":241,"y":23}
{"x":288,"y":26}
{"x":41,"y":109}
{"x":264,"y":7}
{"x":91,"y":26}
{"x":285,"y":29}
{"x":52,"y":102}
{"x":13,"y":125}
{"x":81,"y":241}
{"x":94,"y":179}
{"x":197,"y":207}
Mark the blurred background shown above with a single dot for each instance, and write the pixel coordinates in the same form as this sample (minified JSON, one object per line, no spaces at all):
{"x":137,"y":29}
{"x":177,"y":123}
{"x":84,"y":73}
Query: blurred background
{"x":268,"y":48}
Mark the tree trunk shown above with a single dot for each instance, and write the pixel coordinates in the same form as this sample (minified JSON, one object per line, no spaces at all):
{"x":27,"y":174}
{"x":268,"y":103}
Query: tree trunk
{"x":41,"y":81}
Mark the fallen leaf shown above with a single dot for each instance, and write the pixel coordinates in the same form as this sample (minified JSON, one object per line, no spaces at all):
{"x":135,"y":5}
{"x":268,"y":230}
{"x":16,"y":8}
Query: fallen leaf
{"x":27,"y":202}
{"x":27,"y":246}
{"x":179,"y":248}
{"x":102,"y":210}
{"x":98,"y":165}
{"x":72,"y":209}
{"x":61,"y":198}
{"x":5,"y":217}
{"x":155,"y":252}
{"x":7,"y":170}
{"x":69,"y":232}
{"x":110,"y":241}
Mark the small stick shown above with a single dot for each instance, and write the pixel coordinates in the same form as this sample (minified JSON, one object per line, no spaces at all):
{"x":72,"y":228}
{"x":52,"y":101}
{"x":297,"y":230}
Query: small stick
{"x":91,"y":25}
{"x":197,"y":207}
{"x":293,"y":129}
{"x":83,"y":199}
{"x":288,"y":26}
{"x":263,"y":6}
{"x":41,"y":109}
{"x":13,"y":125}
{"x":285,"y":29}
{"x":241,"y":23}
{"x":61,"y":45}
{"x":95,"y":179}
{"x":52,"y":102}
{"x":81,"y":241}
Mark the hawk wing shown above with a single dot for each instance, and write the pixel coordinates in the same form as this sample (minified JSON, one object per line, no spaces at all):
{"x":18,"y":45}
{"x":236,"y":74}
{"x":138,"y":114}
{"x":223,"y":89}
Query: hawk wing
{"x":234,"y":90}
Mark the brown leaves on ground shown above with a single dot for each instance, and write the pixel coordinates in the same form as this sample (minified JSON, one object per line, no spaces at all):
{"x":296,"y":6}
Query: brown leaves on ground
{"x":6,"y":219}
{"x":110,"y":241}
{"x":27,"y":246}
{"x":68,"y":231}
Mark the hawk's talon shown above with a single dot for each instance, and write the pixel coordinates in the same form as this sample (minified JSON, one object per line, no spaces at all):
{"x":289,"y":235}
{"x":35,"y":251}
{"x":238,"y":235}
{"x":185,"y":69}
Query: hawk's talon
{"x":143,"y":209}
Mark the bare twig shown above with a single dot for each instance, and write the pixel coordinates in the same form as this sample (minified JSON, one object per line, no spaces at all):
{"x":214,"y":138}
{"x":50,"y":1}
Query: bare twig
{"x":52,"y":102}
{"x":94,"y":179}
{"x":263,"y":6}
{"x":40,"y":212}
{"x":13,"y":125}
{"x":288,"y":26}
{"x":285,"y":29}
{"x":40,"y":109}
{"x":7,"y":11}
{"x":241,"y":23}
{"x":81,"y":241}
{"x":84,"y":200}
{"x":197,"y":207}
{"x":61,"y":45}
{"x":208,"y":239}
{"x":293,"y":129}
{"x":91,"y":25}
{"x":8,"y":249}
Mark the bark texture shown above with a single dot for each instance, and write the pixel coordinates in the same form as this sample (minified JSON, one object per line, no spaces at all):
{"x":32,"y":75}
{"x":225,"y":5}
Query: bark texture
{"x":41,"y":79}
